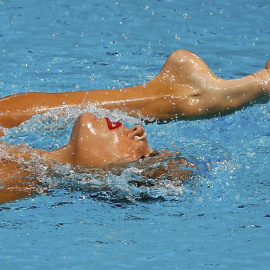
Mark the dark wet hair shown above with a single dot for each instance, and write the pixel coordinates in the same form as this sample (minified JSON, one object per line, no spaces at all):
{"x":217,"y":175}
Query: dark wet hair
{"x":154,"y":153}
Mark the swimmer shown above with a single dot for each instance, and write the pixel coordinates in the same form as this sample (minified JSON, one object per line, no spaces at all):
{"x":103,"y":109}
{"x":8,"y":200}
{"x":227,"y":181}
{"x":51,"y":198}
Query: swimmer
{"x":184,"y":88}
{"x":94,"y":144}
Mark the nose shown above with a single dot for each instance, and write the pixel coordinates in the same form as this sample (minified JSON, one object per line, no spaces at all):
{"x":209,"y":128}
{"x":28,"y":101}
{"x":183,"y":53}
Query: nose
{"x":137,"y":133}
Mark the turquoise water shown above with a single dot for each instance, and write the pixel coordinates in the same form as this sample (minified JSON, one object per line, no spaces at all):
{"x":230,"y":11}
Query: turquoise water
{"x":221,"y":220}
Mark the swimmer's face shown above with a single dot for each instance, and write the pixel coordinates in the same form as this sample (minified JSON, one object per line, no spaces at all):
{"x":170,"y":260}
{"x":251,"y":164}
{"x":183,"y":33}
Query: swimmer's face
{"x":100,"y":142}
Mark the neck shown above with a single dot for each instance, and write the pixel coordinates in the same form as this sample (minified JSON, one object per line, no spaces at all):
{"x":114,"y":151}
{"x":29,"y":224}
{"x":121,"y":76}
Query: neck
{"x":62,"y":155}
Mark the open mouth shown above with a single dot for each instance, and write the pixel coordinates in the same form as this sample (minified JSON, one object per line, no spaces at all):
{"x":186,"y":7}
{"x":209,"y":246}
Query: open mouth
{"x":112,"y":125}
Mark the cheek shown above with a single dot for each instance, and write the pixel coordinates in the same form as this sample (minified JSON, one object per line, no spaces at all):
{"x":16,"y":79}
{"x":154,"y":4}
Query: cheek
{"x":133,"y":149}
{"x":123,"y":148}
{"x":139,"y":147}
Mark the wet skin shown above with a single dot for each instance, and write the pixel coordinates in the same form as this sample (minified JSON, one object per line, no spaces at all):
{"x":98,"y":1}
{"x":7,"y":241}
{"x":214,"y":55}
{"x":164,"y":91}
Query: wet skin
{"x":184,"y":88}
{"x":94,"y":143}
{"x":99,"y":142}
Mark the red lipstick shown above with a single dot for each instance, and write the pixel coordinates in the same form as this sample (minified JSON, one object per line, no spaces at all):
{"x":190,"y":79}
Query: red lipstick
{"x":112,"y":125}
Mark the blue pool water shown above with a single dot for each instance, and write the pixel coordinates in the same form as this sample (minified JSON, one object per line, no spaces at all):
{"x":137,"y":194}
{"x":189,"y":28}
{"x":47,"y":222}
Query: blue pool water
{"x":222,"y":219}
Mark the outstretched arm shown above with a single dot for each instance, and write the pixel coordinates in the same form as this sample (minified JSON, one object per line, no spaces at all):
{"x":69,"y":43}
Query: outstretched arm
{"x":184,"y":88}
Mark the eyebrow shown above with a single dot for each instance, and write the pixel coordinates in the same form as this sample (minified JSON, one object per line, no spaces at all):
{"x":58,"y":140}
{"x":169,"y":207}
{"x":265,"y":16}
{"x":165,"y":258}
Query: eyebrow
{"x":153,"y":154}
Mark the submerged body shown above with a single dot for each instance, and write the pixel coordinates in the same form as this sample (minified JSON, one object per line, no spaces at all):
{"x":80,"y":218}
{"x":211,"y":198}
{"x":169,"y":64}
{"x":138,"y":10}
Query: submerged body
{"x":96,"y":145}
{"x":24,"y":173}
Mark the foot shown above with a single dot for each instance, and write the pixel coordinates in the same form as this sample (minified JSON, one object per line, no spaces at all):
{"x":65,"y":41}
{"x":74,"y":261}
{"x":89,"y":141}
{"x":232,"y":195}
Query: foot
{"x":195,"y":91}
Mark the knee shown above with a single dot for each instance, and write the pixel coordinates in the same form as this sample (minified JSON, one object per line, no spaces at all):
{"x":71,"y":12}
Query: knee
{"x":183,"y":56}
{"x":182,"y":59}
